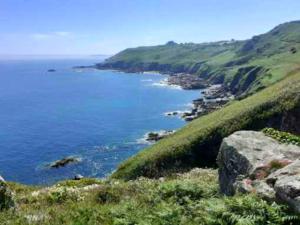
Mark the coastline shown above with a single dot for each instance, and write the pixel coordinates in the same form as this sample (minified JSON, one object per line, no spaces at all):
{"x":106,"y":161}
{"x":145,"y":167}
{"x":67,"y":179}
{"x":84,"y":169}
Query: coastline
{"x":214,"y":96}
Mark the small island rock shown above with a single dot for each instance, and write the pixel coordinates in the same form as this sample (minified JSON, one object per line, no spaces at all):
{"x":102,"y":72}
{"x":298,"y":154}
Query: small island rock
{"x":63,"y":162}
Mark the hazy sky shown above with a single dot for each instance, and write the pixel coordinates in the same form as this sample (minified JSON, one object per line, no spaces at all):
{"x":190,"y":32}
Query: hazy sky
{"x":108,"y":26}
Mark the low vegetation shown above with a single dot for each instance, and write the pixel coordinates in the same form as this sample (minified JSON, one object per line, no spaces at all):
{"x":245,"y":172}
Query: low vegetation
{"x":282,"y":137}
{"x":190,"y":198}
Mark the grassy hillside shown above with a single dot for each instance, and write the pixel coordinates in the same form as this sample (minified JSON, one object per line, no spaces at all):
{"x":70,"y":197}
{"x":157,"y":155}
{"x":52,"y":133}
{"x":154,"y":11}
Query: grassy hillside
{"x":242,"y":66}
{"x":188,"y":199}
{"x":197,"y":144}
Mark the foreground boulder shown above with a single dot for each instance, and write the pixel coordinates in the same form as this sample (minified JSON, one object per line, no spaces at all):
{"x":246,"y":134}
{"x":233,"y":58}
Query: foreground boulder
{"x":249,"y":161}
{"x":6,"y":196}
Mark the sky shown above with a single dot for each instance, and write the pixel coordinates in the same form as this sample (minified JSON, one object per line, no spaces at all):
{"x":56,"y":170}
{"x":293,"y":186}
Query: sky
{"x":85,"y":27}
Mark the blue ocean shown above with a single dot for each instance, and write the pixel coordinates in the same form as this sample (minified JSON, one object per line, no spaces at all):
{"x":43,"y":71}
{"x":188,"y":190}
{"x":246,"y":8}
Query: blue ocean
{"x":97,"y":116}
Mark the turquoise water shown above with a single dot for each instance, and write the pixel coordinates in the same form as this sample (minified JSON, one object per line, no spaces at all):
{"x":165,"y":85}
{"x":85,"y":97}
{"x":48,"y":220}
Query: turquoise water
{"x":98,"y":116}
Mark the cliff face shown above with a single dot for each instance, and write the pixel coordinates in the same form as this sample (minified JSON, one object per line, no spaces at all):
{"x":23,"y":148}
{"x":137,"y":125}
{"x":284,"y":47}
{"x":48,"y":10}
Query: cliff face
{"x":241,"y":66}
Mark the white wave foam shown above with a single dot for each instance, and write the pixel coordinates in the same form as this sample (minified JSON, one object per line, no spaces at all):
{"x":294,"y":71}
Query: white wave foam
{"x":147,"y":80}
{"x":164,"y":83}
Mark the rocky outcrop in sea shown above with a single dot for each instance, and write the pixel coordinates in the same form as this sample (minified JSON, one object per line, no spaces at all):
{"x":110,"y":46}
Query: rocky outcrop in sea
{"x":64,"y":162}
{"x":155,"y":136}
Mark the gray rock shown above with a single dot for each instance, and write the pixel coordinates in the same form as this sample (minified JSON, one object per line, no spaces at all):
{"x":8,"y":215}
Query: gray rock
{"x":250,"y":154}
{"x":250,"y":162}
{"x":259,"y":187}
{"x":78,"y":177}
{"x":6,"y":196}
{"x":243,"y":186}
{"x":263,"y":190}
{"x":288,"y":191}
{"x":65,"y":161}
{"x":289,"y":170}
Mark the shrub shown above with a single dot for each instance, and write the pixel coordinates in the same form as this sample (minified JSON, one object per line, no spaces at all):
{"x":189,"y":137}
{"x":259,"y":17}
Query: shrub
{"x":180,"y":192}
{"x":62,"y":194}
{"x":282,"y":137}
{"x":108,"y":196}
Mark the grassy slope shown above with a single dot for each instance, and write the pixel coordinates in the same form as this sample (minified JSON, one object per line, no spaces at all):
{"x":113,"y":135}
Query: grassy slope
{"x":189,"y":199}
{"x":197,"y":143}
{"x":221,"y":61}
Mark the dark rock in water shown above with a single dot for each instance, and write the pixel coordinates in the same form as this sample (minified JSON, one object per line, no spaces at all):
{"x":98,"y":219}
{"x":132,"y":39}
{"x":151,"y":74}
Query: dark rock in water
{"x":63,"y":162}
{"x":214,"y":97}
{"x":175,"y":113}
{"x":6,"y":196}
{"x":156,"y":136}
{"x":189,"y":118}
{"x":51,"y":70}
{"x":78,"y":177}
{"x":83,"y":67}
{"x":202,"y":107}
{"x":198,"y":101}
{"x":293,"y":50}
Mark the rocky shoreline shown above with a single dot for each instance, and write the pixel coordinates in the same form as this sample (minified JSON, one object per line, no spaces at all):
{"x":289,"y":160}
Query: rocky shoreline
{"x":187,"y":81}
{"x":214,"y":97}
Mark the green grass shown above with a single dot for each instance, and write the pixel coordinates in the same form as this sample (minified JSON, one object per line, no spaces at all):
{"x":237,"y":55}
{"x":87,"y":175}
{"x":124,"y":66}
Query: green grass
{"x":197,"y":144}
{"x":220,"y":61}
{"x":188,"y":199}
{"x":282,"y":137}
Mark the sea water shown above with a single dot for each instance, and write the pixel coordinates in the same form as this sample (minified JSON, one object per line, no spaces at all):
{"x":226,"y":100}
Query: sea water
{"x":97,"y":116}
